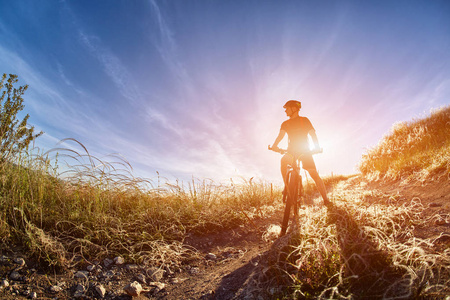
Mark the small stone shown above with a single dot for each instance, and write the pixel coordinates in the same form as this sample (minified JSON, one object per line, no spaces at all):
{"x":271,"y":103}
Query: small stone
{"x":55,"y":289}
{"x":211,"y":256}
{"x":4,"y":259}
{"x":272,"y":290}
{"x":79,"y":291}
{"x":14,"y":276}
{"x":81,"y":274}
{"x":119,"y":260}
{"x":19,"y":261}
{"x":155,"y":274}
{"x":133,"y":289}
{"x":132,"y":267}
{"x":3,"y":283}
{"x":101,"y":291}
{"x":108,"y":274}
{"x":33,"y":295}
{"x":141,"y":278}
{"x":107,"y":262}
{"x":158,"y":286}
{"x":90,"y":268}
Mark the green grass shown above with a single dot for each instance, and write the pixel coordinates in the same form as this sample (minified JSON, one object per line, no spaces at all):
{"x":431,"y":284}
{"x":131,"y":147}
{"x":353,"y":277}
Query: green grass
{"x":419,"y":149}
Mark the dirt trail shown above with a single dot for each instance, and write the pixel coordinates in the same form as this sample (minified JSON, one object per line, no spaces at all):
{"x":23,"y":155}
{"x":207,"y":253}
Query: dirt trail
{"x":229,"y":262}
{"x":239,"y":252}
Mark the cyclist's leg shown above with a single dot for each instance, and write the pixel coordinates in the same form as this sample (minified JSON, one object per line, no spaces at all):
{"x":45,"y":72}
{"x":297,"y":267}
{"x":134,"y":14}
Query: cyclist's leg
{"x":310,"y":166}
{"x":319,"y":184}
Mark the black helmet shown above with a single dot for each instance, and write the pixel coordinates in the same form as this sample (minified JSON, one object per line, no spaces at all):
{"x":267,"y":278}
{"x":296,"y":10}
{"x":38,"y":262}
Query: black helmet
{"x":293,"y":103}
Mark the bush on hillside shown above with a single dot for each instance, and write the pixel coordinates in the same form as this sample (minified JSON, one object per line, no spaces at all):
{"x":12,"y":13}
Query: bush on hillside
{"x":14,"y":135}
{"x":418,"y":149}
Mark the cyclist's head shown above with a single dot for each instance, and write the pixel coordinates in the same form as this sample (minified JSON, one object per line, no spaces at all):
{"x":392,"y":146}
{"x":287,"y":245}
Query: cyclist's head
{"x":294,"y":104}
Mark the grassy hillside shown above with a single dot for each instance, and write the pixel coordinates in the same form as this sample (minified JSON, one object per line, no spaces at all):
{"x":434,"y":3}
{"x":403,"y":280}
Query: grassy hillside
{"x":417,"y":149}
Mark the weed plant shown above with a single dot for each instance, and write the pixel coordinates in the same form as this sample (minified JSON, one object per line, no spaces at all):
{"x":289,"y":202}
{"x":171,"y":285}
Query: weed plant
{"x":419,"y":150}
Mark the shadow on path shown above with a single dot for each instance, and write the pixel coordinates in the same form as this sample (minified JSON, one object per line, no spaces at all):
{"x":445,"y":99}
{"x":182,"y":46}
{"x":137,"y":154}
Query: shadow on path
{"x":369,"y":272}
{"x":232,"y":284}
{"x":253,"y":279}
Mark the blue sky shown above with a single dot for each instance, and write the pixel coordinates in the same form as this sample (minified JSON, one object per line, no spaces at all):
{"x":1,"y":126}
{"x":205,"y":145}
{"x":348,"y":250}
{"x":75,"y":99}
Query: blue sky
{"x":196,"y":88}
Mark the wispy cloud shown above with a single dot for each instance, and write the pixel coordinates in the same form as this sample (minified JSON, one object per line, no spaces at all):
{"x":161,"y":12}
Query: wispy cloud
{"x":167,"y":48}
{"x":113,"y":67}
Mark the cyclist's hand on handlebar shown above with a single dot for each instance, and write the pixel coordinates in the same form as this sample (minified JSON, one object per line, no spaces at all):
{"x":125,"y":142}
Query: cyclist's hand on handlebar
{"x":316,"y":150}
{"x":276,"y":149}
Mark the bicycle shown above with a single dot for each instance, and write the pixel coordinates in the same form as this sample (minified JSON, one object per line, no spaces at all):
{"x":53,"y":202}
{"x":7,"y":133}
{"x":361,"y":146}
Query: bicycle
{"x":293,"y":188}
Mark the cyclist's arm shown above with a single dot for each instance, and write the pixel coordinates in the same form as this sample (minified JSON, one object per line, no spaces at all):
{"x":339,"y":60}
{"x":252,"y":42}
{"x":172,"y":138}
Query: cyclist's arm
{"x":312,"y":134}
{"x":279,"y":138}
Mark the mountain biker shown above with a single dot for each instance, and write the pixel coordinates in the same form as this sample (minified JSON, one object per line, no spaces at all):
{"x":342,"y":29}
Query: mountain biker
{"x":298,"y":128}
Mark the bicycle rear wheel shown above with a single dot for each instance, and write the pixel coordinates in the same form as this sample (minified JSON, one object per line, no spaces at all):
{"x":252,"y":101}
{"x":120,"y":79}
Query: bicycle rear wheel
{"x":292,"y":194}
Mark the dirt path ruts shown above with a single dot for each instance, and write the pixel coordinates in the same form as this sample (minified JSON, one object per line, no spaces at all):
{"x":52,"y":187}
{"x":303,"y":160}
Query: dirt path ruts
{"x":236,"y":255}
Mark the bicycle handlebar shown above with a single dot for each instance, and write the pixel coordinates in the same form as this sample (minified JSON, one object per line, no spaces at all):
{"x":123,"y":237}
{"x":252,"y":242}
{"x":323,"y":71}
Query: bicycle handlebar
{"x":284,"y":151}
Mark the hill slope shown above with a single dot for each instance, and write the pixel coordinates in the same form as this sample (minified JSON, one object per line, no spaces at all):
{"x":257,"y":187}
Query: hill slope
{"x":418,"y":149}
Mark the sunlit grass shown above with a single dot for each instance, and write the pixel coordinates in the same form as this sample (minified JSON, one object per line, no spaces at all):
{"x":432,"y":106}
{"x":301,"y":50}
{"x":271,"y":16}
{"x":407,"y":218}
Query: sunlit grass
{"x":419,"y":149}
{"x":360,"y":250}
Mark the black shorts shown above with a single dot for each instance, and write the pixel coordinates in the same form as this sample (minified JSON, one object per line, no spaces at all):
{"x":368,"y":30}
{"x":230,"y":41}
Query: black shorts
{"x":306,"y":159}
{"x":308,"y":162}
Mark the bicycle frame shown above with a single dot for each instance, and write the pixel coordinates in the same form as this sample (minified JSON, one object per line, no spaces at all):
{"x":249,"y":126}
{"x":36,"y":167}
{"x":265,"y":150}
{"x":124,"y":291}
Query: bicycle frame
{"x":294,"y":189}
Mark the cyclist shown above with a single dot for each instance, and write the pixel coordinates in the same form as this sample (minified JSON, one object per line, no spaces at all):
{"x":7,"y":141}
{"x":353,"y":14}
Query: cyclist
{"x":298,"y":128}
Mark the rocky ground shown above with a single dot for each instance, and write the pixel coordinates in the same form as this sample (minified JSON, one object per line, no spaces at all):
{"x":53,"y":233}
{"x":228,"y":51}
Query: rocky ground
{"x":226,"y":265}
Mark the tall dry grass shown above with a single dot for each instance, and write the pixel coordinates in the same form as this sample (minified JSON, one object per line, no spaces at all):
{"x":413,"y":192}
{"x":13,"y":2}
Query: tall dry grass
{"x":359,"y":250}
{"x":97,"y":208}
{"x":418,"y":149}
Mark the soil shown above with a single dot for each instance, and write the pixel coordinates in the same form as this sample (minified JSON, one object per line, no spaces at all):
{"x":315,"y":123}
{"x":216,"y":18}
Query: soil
{"x":229,"y":262}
